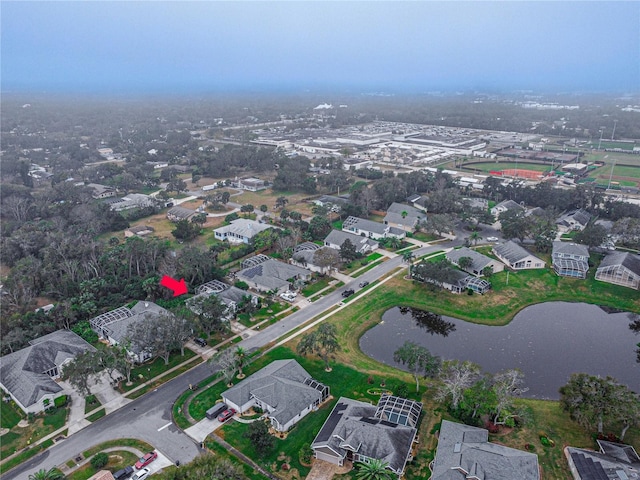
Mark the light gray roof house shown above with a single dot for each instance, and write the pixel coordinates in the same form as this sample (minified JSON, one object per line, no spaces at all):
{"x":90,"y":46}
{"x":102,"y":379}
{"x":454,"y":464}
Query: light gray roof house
{"x":283,"y":389}
{"x":241,"y":230}
{"x":114,"y":325}
{"x":28,"y":374}
{"x":265,"y":273}
{"x":408,"y":222}
{"x":369,"y":228}
{"x":479,"y":261}
{"x":517,"y":257}
{"x":336,"y":238}
{"x":504,"y":206}
{"x":613,"y":461}
{"x":465,"y":452}
{"x":176,"y":214}
{"x":570,"y":259}
{"x":359,"y":431}
{"x":574,"y":220}
{"x":620,"y":268}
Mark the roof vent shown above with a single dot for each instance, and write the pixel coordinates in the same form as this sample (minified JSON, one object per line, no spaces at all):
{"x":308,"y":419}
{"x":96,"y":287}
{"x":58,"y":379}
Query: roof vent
{"x":146,"y":304}
{"x":457,"y":447}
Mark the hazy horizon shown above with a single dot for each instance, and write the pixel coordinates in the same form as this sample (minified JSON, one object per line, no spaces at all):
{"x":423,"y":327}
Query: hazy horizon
{"x":244,"y":46}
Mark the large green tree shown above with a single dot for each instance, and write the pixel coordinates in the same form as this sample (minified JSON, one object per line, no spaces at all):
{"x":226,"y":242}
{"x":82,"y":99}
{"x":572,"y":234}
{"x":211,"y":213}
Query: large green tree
{"x":418,"y":361}
{"x":322,"y":342}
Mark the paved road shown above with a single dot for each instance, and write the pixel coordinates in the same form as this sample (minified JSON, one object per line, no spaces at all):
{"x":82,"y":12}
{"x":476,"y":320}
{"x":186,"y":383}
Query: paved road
{"x":148,"y":418}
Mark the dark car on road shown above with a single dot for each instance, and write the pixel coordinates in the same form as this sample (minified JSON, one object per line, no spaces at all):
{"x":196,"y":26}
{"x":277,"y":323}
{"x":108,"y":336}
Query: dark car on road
{"x":124,"y":473}
{"x":363,"y":284}
{"x":200,"y":341}
{"x":348,"y":293}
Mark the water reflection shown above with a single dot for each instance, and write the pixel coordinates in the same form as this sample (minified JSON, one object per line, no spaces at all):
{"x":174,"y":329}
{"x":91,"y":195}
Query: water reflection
{"x":548,"y":342}
{"x":431,"y":322}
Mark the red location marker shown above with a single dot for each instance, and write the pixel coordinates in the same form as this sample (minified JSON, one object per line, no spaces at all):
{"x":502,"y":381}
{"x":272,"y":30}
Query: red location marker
{"x":178,"y":287}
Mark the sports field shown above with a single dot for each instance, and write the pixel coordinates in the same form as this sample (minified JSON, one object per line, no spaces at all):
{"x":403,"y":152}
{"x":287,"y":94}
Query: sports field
{"x":487,"y":167}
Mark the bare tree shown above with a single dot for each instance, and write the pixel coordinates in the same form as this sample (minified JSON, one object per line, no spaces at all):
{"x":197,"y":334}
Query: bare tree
{"x":228,"y":364}
{"x":455,"y":377}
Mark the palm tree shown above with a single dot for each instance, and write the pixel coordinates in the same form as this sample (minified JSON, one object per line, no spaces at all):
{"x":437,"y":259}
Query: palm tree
{"x":474,"y":237}
{"x":407,"y":256}
{"x":42,"y":474}
{"x":241,"y":358}
{"x":374,"y":470}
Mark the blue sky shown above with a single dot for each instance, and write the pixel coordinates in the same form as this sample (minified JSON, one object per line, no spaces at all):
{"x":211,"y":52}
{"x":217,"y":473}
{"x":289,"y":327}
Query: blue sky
{"x":153,"y":46}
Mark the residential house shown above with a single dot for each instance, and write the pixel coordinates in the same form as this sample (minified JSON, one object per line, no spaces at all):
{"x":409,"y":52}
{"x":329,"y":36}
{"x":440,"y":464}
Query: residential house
{"x":129,"y":202}
{"x":573,"y":220}
{"x":230,"y":295}
{"x":175,"y":214}
{"x":29,"y":375}
{"x":478,"y":261}
{"x":139,"y":230}
{"x":464,"y":452}
{"x":418,"y":201}
{"x":570,"y":259}
{"x":403,"y":216}
{"x":620,"y":268}
{"x":304,"y":255}
{"x":458,"y":281}
{"x":516,"y":257}
{"x":363,"y":245}
{"x":283,"y":390}
{"x":267,"y":274}
{"x":101,"y":191}
{"x":114,"y":325}
{"x":504,"y":206}
{"x":613,"y":461}
{"x":476,"y":203}
{"x":251,"y":184}
{"x":333,"y":203}
{"x":241,"y":230}
{"x":371,"y":229}
{"x":356,"y":431}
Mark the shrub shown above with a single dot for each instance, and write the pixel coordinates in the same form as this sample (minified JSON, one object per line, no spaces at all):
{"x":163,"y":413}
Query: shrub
{"x":99,"y":460}
{"x":370,"y":380}
{"x":241,"y":285}
{"x":306,"y":454}
{"x":60,"y":401}
{"x":401,"y":390}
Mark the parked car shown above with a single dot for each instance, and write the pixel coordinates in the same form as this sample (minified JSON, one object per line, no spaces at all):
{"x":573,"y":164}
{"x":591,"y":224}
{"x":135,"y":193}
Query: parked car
{"x":141,"y":474}
{"x":226,"y":415}
{"x":492,"y":239}
{"x":363,"y":284}
{"x":146,"y":459}
{"x":200,"y":341}
{"x":216,"y":410}
{"x":126,"y":472}
{"x":348,"y":293}
{"x":289,"y":296}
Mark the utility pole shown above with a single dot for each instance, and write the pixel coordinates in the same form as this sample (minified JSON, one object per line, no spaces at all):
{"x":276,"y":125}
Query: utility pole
{"x":600,"y":142}
{"x":615,"y":122}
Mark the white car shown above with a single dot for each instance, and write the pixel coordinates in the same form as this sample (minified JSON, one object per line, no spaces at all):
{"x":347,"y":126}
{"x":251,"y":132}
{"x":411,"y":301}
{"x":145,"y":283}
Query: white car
{"x":288,"y":296}
{"x":141,"y":474}
{"x":492,"y":239}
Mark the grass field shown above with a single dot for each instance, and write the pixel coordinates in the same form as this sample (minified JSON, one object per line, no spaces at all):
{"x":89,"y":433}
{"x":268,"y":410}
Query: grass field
{"x":21,"y":437}
{"x":497,"y":166}
{"x":10,"y":415}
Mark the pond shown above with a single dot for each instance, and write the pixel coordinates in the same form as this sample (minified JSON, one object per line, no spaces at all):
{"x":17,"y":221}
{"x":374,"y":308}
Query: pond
{"x":547,"y":342}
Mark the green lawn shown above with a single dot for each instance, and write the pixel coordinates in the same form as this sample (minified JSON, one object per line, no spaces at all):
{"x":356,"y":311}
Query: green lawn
{"x":342,"y":380}
{"x":118,"y":459}
{"x":154,"y":368}
{"x":10,"y":414}
{"x":42,"y":425}
{"x":91,"y":403}
{"x":319,"y":284}
{"x":497,"y":166}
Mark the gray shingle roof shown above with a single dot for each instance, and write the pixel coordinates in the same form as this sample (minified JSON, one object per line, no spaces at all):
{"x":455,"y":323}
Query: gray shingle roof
{"x":394,"y":215}
{"x":352,"y":425}
{"x":509,"y":205}
{"x":626,"y":259}
{"x":479,"y":260}
{"x":180,"y":212}
{"x":464,"y":447}
{"x":272,"y":274}
{"x":281,"y":384}
{"x":512,"y":252}
{"x":337,"y":237}
{"x":568,"y":248}
{"x":23,"y":372}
